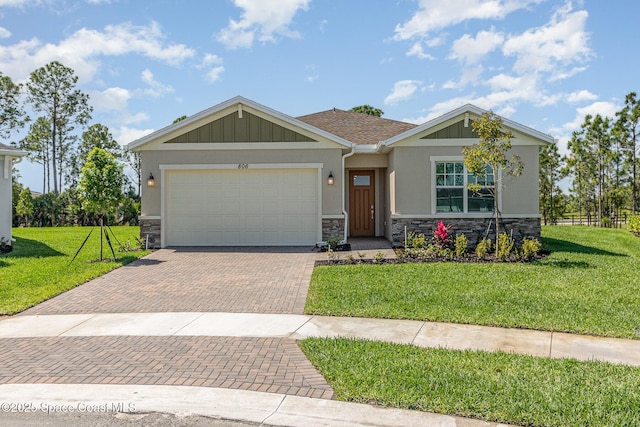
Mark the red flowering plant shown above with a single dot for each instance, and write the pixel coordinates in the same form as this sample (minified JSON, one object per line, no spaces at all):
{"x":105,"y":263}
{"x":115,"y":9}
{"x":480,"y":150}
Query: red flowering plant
{"x":441,"y":236}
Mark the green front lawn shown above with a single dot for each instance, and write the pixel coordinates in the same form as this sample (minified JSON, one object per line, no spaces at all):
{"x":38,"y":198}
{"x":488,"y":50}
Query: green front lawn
{"x":498,"y":387}
{"x":38,"y":267}
{"x":590,"y":284}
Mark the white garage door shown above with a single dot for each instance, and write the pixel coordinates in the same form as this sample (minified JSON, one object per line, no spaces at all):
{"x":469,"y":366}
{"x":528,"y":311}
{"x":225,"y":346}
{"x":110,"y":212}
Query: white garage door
{"x":247,"y":207}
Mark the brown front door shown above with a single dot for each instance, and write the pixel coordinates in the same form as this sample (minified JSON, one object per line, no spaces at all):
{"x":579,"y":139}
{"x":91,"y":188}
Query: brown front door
{"x":362,"y":203}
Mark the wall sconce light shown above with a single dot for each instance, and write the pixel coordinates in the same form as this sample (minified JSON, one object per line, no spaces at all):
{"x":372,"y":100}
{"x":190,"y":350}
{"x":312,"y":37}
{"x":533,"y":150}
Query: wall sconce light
{"x":151,"y":182}
{"x":330,"y":179}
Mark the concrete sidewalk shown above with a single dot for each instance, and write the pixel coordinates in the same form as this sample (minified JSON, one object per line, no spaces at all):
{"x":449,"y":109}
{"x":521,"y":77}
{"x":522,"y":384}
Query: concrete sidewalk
{"x":269,"y":409}
{"x":422,"y":334}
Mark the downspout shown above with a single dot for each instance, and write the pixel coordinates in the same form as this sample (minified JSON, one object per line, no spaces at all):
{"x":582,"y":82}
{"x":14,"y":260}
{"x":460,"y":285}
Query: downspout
{"x":344,"y":209}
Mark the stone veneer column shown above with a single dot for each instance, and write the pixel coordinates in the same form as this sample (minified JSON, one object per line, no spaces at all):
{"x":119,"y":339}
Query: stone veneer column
{"x":332,"y":228}
{"x":150,"y":228}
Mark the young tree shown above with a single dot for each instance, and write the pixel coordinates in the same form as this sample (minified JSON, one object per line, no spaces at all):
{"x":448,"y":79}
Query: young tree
{"x":24,"y":207}
{"x":368,"y":109}
{"x":96,"y":135}
{"x":492,"y":150}
{"x":12,"y":116}
{"x":52,"y":91}
{"x":100,"y":186}
{"x":550,"y":172}
{"x":629,"y":124}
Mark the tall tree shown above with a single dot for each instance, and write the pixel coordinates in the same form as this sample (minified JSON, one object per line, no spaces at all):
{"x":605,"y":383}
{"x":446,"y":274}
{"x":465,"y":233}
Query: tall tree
{"x":37,"y":143}
{"x":134,"y":161}
{"x":368,"y":109}
{"x":12,"y":116}
{"x":550,"y":172}
{"x":52,"y":91}
{"x":629,"y":124}
{"x":597,"y":135}
{"x":492,"y":150}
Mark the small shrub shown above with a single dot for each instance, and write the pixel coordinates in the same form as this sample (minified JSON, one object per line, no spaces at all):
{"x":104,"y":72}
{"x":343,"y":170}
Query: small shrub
{"x":441,"y":236}
{"x":505,"y":246}
{"x":332,"y":255}
{"x":361,"y":255}
{"x":483,"y":248}
{"x":530,"y":248}
{"x":379,"y":257}
{"x":333,"y":242}
{"x":633,"y":225}
{"x":350,"y":259}
{"x":416,"y":240}
{"x":461,"y":244}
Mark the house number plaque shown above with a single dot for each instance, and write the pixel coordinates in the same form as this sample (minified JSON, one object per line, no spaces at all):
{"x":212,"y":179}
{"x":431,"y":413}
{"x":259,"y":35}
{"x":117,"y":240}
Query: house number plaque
{"x":243,"y":165}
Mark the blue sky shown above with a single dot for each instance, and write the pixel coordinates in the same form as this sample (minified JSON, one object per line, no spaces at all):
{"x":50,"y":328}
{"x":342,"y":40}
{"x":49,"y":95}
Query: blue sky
{"x":543,"y":63}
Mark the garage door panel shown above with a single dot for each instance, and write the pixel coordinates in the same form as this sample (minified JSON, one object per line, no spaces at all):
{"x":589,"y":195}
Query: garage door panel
{"x":241,"y":207}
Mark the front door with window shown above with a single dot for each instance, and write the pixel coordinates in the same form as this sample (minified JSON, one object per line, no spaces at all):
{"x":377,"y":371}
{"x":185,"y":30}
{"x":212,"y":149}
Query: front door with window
{"x":362,"y":203}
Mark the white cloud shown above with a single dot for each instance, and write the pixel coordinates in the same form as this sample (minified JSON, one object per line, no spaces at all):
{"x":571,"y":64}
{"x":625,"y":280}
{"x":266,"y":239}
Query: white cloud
{"x":111,"y":99}
{"x":124,"y":135}
{"x":214,"y":73}
{"x":471,"y":50}
{"x":604,"y":108}
{"x":156,"y":89}
{"x":583,"y":95}
{"x":554,"y":47}
{"x":417,"y":50}
{"x":263,"y":19}
{"x":81,"y":50}
{"x":434,"y":15}
{"x":17,"y":3}
{"x":402,"y":91}
{"x":210,"y":59}
{"x":4,"y":33}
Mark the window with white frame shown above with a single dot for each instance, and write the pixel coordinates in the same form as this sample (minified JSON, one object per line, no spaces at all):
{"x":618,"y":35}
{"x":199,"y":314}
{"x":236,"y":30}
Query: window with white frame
{"x":452,"y":193}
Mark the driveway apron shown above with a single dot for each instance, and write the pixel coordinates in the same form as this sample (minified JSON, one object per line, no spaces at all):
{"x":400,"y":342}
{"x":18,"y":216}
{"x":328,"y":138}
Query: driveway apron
{"x":239,"y":280}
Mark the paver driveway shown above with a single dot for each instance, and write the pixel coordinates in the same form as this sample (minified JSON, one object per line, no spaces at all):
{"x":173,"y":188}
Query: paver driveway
{"x":239,"y":280}
{"x":258,"y":280}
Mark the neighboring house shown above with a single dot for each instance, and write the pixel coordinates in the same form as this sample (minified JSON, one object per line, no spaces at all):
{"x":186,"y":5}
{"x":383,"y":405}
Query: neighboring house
{"x":7,"y":156}
{"x":240,"y":173}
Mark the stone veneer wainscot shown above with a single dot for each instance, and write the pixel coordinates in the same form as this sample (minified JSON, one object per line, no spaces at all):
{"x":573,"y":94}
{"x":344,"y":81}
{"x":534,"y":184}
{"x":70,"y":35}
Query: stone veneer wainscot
{"x":473,"y":228}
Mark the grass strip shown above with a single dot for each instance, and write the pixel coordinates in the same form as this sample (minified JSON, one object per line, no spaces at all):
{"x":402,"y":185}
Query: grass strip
{"x":588,"y":285}
{"x":38,"y":267}
{"x":496,"y":387}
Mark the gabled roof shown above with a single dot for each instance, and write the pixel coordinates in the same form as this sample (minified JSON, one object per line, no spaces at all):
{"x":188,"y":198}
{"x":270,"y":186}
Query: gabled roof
{"x":474,"y":112}
{"x":358,"y":128}
{"x":8,"y":150}
{"x":239,"y":102}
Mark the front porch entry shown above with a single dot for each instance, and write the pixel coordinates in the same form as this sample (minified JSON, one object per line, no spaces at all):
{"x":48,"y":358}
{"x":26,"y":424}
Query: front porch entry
{"x":362,"y":203}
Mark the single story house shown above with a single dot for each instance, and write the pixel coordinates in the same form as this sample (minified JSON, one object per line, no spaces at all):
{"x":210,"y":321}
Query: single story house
{"x":241,"y":173}
{"x":8,"y":155}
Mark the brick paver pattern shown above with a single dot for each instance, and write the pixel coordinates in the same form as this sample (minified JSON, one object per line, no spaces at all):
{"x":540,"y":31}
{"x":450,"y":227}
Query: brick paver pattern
{"x":246,"y":280}
{"x":236,"y":363}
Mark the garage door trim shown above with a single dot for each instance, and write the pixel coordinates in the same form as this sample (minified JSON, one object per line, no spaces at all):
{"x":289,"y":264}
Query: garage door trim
{"x":235,"y":166}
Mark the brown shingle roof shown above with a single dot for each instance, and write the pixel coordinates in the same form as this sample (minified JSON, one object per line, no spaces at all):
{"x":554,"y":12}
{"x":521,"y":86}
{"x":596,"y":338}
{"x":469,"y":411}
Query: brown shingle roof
{"x":358,"y":128}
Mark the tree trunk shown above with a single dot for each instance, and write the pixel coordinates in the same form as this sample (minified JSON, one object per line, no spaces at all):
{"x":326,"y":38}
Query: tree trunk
{"x":101,"y":233}
{"x":495,"y":206}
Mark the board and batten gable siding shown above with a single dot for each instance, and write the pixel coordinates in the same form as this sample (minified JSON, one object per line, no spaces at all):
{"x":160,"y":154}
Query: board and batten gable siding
{"x":231,"y":128}
{"x":456,"y":130}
